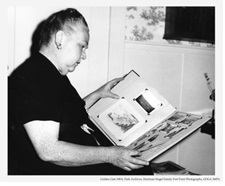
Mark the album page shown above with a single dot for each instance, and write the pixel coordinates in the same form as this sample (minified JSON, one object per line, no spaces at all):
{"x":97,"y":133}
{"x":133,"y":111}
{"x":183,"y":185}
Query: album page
{"x":142,"y":119}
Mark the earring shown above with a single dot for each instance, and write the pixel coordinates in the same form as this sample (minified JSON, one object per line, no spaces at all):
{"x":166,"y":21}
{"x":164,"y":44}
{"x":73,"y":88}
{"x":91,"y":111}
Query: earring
{"x":59,"y":46}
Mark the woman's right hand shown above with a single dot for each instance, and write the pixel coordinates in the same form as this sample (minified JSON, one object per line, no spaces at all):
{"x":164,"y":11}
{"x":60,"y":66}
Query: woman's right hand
{"x":124,"y":158}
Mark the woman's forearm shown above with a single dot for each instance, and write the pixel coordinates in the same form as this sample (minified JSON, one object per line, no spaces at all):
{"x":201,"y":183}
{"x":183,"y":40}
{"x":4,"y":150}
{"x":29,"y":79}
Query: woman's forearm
{"x":91,"y":99}
{"x":72,"y":155}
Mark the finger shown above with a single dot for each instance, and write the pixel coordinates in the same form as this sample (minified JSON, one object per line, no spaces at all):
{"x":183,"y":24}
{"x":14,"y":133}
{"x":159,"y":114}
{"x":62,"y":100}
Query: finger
{"x":115,"y":81}
{"x":138,"y":161}
{"x":112,"y":95}
{"x":134,"y":158}
{"x":131,"y":166}
{"x":127,"y":168}
{"x":136,"y":153}
{"x":118,"y":79}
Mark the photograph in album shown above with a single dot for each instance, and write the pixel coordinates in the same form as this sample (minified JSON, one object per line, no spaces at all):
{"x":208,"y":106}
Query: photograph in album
{"x":121,"y":119}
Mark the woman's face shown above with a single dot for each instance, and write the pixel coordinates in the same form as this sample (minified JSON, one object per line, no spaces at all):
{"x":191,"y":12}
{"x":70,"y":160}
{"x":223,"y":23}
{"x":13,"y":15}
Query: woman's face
{"x":73,"y":51}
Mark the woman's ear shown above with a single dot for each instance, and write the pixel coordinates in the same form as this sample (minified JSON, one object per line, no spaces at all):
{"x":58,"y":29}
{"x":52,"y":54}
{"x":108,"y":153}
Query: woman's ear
{"x":59,"y":36}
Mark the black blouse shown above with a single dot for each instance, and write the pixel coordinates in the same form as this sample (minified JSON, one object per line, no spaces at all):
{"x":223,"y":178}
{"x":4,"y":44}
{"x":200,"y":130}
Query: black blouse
{"x":37,"y":91}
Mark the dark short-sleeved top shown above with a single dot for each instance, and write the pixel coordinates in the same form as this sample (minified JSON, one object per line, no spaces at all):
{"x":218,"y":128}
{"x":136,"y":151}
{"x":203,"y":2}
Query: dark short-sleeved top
{"x":37,"y":91}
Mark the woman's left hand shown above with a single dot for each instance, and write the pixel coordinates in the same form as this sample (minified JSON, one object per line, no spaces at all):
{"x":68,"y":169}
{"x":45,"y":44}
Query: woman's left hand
{"x":105,"y":90}
{"x":102,"y":92}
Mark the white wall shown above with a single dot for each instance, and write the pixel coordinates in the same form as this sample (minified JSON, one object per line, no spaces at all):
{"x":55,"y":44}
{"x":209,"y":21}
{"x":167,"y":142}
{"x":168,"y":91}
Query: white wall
{"x":177,"y":73}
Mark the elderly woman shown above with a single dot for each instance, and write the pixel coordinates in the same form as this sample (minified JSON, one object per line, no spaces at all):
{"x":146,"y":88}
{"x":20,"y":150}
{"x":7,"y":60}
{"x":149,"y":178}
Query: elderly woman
{"x":46,"y":112}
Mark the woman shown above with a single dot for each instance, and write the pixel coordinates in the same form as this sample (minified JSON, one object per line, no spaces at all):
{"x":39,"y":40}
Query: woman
{"x":46,"y":113}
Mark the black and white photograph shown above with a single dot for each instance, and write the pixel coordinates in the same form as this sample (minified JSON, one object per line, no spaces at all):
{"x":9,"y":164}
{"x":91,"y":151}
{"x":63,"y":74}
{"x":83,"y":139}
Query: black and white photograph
{"x":190,"y":120}
{"x":121,"y":120}
{"x":148,"y":102}
{"x":65,"y":59}
{"x":177,"y":117}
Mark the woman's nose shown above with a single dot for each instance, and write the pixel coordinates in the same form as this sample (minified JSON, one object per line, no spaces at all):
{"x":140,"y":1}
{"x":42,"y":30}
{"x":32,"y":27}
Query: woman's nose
{"x":83,"y":55}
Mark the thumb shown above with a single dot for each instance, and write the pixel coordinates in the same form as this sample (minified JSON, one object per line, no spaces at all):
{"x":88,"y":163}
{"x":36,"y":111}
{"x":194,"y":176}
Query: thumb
{"x":112,"y":95}
{"x":136,"y":153}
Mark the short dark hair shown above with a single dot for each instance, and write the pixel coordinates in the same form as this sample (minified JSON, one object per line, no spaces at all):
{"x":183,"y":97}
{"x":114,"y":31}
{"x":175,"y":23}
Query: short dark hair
{"x":62,"y":20}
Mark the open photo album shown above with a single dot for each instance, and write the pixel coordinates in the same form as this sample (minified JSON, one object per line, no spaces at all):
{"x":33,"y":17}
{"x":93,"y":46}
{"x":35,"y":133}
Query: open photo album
{"x":142,"y":119}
